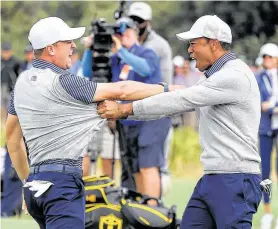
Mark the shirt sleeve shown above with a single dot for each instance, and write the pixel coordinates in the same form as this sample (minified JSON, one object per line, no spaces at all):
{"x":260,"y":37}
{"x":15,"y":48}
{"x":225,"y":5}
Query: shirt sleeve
{"x":78,"y":87}
{"x":221,"y":88}
{"x":11,"y":109}
{"x":87,"y":64}
{"x":152,"y":60}
{"x":139,"y":64}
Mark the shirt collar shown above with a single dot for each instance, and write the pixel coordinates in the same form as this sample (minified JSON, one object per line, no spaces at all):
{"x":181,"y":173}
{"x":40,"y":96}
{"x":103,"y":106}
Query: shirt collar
{"x":219,"y":63}
{"x":43,"y":64}
{"x":272,"y":72}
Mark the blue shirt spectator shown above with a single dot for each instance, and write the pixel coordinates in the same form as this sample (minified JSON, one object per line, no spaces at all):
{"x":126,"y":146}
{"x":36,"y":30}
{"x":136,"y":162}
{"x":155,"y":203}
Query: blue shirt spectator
{"x":265,"y":85}
{"x":143,"y":63}
{"x":145,"y":139}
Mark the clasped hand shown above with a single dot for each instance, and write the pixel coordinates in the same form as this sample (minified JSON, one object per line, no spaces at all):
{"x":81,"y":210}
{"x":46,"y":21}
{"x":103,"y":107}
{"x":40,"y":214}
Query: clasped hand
{"x":111,"y":110}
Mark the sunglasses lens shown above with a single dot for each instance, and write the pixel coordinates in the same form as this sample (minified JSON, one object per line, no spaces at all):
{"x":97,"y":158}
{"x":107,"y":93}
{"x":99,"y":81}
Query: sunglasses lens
{"x":137,"y":19}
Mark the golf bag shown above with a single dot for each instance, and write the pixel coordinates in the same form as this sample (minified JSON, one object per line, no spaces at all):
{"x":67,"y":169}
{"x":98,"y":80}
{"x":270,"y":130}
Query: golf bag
{"x":108,"y":206}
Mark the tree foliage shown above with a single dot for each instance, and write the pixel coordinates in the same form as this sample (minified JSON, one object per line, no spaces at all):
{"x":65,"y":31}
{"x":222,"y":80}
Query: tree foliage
{"x":252,"y":23}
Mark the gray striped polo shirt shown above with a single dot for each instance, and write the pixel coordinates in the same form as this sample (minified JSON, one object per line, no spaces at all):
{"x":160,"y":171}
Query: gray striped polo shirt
{"x":229,"y":108}
{"x":56,"y":113}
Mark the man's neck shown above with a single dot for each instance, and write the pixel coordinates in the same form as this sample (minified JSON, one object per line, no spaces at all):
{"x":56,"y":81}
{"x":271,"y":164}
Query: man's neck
{"x":218,"y":55}
{"x":46,"y":58}
{"x":144,"y":37}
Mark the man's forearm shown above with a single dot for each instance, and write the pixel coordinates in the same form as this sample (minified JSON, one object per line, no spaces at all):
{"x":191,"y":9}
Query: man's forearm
{"x":19,"y":160}
{"x":132,"y":90}
{"x":126,"y":111}
{"x":129,"y":90}
{"x":168,"y":104}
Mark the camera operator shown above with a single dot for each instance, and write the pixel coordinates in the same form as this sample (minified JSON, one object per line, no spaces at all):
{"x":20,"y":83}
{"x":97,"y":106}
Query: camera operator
{"x":141,"y":13}
{"x":145,"y":140}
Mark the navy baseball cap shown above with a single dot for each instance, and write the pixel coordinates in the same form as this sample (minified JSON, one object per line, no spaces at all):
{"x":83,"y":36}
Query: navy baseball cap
{"x":123,"y":23}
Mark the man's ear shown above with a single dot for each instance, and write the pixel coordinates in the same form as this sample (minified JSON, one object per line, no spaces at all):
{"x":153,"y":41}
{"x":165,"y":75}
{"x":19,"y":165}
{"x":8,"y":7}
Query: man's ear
{"x":50,"y":50}
{"x":214,"y":45}
{"x":149,"y":26}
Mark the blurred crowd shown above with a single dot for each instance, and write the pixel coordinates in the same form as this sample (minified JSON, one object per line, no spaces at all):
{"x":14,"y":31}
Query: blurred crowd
{"x":116,"y":138}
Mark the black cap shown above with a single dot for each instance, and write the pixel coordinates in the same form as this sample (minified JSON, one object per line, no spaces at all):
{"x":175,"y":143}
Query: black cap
{"x":6,"y":46}
{"x":28,"y":48}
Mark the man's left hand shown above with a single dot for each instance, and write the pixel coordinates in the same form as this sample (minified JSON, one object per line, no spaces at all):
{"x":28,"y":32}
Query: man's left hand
{"x":265,"y":106}
{"x":117,"y":43}
{"x":112,"y":110}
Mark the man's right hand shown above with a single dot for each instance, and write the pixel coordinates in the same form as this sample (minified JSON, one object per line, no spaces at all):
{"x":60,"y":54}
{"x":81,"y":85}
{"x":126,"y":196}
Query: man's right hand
{"x":113,"y":110}
{"x":265,"y":106}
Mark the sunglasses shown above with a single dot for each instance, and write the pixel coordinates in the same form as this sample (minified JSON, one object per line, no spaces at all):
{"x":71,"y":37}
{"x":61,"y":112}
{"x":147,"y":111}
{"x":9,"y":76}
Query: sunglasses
{"x":137,"y":19}
{"x":264,"y":56}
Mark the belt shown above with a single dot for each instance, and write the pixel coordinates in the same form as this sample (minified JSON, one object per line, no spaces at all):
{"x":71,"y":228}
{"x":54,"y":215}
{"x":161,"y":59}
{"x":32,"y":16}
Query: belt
{"x":67,"y":169}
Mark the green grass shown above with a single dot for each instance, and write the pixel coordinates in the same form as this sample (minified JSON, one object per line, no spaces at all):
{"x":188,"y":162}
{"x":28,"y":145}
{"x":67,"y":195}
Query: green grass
{"x":180,"y":194}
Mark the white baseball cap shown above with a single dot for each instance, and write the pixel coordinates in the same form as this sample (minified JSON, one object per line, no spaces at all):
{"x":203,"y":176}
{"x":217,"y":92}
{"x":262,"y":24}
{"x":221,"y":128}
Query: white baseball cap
{"x":269,"y":49}
{"x":141,"y":10}
{"x":50,"y":30}
{"x":208,"y":26}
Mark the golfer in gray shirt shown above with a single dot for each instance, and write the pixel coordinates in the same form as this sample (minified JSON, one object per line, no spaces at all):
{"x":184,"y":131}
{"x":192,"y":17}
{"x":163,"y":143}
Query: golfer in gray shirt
{"x":56,"y":112}
{"x":228,"y":104}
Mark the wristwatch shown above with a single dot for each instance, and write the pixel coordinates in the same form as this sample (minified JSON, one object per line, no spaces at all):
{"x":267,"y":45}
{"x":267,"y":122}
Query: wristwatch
{"x":165,"y":85}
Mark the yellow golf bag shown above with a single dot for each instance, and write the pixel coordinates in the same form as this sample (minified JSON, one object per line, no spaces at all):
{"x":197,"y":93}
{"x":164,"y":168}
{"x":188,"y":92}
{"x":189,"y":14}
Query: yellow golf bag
{"x":111,"y":207}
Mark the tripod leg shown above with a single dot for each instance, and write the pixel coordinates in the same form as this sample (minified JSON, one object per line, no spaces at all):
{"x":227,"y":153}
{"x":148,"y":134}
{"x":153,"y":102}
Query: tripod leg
{"x":113,"y":155}
{"x":127,"y":179}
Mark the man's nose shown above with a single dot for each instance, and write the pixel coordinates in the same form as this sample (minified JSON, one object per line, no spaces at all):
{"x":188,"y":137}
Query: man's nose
{"x":189,"y":50}
{"x":73,"y":44}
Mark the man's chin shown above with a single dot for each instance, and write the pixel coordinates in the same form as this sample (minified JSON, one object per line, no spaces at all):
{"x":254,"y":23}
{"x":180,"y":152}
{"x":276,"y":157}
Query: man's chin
{"x":69,"y":65}
{"x":199,"y":68}
{"x":202,"y":68}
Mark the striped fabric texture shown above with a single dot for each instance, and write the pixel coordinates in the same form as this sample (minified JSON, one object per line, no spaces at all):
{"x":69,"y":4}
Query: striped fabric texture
{"x":76,"y":86}
{"x":56,"y":113}
{"x":219,"y":63}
